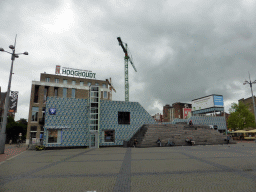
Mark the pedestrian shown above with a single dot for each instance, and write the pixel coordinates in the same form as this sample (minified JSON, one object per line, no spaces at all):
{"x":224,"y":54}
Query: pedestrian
{"x":190,"y":123}
{"x":228,"y":138}
{"x":10,"y":142}
{"x":159,"y":142}
{"x":135,"y":142}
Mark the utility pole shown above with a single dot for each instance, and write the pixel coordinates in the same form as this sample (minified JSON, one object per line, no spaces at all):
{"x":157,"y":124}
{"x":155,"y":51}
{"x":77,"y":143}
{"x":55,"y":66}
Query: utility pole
{"x":250,"y":83}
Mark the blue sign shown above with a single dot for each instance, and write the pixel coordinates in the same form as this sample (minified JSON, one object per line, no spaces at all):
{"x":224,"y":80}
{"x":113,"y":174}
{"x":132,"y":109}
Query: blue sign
{"x":218,"y":101}
{"x":52,"y":111}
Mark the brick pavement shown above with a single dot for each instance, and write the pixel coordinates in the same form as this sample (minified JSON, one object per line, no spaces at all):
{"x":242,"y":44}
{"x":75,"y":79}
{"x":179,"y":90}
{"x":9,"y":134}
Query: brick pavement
{"x":11,"y":151}
{"x":191,"y":168}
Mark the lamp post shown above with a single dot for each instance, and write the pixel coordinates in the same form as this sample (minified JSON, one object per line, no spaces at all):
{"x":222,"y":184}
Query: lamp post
{"x":246,"y":82}
{"x":6,"y":105}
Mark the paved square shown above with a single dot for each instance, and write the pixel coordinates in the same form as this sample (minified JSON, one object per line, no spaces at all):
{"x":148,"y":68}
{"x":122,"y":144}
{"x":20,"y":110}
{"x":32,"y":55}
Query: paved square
{"x":190,"y":168}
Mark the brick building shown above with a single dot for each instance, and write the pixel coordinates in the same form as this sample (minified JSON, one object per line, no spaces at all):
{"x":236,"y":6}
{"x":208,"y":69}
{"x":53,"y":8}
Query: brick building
{"x":178,"y":109}
{"x":175,"y":111}
{"x":57,"y":86}
{"x":168,"y":113}
{"x":248,"y":102}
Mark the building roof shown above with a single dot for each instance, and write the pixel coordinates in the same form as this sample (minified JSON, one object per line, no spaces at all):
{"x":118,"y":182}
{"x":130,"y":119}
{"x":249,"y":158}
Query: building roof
{"x":207,"y":96}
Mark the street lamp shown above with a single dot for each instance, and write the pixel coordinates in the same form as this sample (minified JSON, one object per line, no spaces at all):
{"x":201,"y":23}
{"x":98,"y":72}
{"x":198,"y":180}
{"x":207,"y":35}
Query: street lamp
{"x":246,"y":82}
{"x":6,"y":105}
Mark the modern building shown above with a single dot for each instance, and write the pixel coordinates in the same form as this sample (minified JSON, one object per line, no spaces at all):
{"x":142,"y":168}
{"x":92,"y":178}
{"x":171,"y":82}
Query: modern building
{"x":92,"y":122}
{"x":60,"y":87}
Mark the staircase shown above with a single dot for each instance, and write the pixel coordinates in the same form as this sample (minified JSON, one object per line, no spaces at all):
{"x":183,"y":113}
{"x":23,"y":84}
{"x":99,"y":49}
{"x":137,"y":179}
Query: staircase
{"x":147,"y":135}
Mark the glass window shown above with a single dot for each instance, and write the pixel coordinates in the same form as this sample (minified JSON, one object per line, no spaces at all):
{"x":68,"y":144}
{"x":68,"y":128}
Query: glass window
{"x":54,"y":136}
{"x":56,"y":91}
{"x":57,"y":80}
{"x":36,"y":94}
{"x":104,"y":85}
{"x":109,"y":136}
{"x":33,"y":128}
{"x":65,"y":81}
{"x":65,"y":92}
{"x":45,"y":93}
{"x":47,"y":79}
{"x":81,"y":83}
{"x":105,"y":94}
{"x":73,"y":82}
{"x":97,"y":84}
{"x":89,"y":83}
{"x":34,"y":114}
{"x":73,"y":93}
{"x":123,"y":117}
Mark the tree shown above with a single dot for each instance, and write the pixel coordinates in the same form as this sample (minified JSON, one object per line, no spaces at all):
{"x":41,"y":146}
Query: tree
{"x":14,"y":128}
{"x":240,"y":117}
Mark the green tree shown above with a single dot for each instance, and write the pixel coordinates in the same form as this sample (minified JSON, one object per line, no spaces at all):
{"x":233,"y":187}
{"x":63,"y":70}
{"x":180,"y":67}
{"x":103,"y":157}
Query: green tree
{"x":14,"y":128}
{"x":240,"y":117}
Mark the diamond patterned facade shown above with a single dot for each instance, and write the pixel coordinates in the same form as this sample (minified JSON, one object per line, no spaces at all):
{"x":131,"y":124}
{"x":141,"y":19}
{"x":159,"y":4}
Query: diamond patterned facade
{"x":71,"y":121}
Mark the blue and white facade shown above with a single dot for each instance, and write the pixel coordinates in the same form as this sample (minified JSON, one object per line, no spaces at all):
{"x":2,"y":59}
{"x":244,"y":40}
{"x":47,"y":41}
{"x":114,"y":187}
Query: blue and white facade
{"x":69,"y":126}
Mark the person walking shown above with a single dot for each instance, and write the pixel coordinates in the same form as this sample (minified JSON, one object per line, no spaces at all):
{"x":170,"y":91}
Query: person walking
{"x":159,"y":142}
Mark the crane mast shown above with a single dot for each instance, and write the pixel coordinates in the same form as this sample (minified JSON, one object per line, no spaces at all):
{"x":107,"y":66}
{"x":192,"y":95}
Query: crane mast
{"x":126,"y":59}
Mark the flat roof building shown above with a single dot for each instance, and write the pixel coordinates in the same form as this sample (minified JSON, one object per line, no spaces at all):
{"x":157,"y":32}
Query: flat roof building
{"x":57,"y":86}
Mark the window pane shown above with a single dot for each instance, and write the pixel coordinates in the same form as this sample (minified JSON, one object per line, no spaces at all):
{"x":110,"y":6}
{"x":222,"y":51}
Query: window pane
{"x":65,"y":92}
{"x":73,"y":82}
{"x":123,"y":117}
{"x":81,"y":83}
{"x":104,"y":85}
{"x":52,"y":136}
{"x":55,"y":91}
{"x":109,"y":136}
{"x":34,"y":114}
{"x":33,"y":128}
{"x":105,"y":95}
{"x":73,"y":93}
{"x":89,"y":83}
{"x":65,"y":81}
{"x":97,"y":84}
{"x":57,"y":80}
{"x":47,"y":79}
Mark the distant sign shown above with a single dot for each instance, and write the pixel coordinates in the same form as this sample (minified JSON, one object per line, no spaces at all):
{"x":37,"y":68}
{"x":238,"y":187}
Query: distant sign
{"x":13,"y":101}
{"x":207,"y":102}
{"x":218,"y":101}
{"x":52,"y":111}
{"x":74,"y":72}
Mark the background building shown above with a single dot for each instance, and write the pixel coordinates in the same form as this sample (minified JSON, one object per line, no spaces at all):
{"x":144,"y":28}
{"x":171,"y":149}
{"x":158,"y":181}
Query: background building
{"x":158,"y":117}
{"x":57,"y":86}
{"x":178,"y":109}
{"x":168,"y":113}
{"x":13,"y":103}
{"x":248,"y":102}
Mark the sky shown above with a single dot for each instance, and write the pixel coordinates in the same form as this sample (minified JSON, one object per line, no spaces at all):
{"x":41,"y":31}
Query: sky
{"x":182,"y":50}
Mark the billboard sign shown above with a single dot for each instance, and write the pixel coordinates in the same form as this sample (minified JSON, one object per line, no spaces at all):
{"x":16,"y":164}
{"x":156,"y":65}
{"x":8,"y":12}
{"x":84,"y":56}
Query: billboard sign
{"x":218,"y":101}
{"x":13,"y":101}
{"x":74,"y":72}
{"x":207,"y":102}
{"x":186,"y":113}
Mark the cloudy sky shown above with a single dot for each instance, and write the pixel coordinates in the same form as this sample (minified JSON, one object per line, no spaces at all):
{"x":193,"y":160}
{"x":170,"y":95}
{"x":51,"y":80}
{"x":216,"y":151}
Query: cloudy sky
{"x":182,"y":49}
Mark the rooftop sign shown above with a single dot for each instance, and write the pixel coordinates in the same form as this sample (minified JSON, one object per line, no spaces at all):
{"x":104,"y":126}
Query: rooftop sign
{"x":74,"y":72}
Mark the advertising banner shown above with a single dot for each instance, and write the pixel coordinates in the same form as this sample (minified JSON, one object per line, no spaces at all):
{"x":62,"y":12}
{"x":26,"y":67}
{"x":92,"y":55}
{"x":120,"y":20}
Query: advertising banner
{"x":186,"y":113}
{"x":218,"y":101}
{"x":202,"y":103}
{"x":13,"y":101}
{"x":74,"y":72}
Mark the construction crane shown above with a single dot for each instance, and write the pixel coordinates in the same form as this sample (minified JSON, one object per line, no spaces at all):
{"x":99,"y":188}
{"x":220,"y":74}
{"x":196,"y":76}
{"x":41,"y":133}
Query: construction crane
{"x":110,"y":88}
{"x":126,"y":59}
